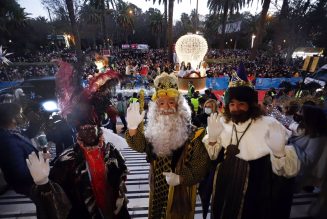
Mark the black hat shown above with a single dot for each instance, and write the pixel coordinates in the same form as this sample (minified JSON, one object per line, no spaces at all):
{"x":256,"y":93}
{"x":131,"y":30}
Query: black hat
{"x":240,"y":88}
{"x":241,"y":93}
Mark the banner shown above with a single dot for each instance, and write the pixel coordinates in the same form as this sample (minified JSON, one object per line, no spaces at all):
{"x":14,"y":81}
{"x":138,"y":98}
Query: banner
{"x":125,"y":46}
{"x":231,"y":27}
{"x":217,"y":83}
{"x":106,"y":52}
{"x":6,"y":84}
{"x":143,"y":46}
{"x":260,"y":84}
{"x":267,"y":83}
{"x":308,"y":80}
{"x":133,"y":46}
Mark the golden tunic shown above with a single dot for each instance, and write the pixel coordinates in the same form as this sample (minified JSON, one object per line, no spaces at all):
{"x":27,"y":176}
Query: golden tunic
{"x":169,"y":202}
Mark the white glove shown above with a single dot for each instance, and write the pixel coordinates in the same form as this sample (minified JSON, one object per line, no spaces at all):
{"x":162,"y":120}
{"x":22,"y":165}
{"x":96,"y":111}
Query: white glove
{"x":133,"y":117}
{"x":119,"y":205}
{"x":214,"y":127}
{"x":172,"y":178}
{"x":294,"y":128}
{"x":276,"y":139}
{"x":39,"y":168}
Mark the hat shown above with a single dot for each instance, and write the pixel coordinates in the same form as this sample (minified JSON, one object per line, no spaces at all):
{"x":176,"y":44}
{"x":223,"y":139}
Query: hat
{"x":240,"y":88}
{"x":165,"y":85}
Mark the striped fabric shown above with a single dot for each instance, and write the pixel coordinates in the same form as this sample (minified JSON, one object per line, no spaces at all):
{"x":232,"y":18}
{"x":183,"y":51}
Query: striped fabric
{"x":13,"y":205}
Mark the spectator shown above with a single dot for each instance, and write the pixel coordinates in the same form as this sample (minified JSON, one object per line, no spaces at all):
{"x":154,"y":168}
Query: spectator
{"x":122,"y":107}
{"x":14,"y":149}
{"x":311,"y":146}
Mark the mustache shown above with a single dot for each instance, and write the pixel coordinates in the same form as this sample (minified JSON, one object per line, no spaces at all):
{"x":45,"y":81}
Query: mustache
{"x":164,"y":111}
{"x":240,"y":116}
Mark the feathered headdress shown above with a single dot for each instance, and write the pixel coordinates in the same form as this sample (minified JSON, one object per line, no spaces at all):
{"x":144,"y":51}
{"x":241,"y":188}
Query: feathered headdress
{"x":81,"y":105}
{"x":65,"y":88}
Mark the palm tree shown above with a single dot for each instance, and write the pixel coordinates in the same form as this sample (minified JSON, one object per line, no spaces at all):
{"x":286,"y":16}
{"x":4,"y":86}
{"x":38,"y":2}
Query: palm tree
{"x":156,"y":25}
{"x":169,"y":25}
{"x":186,"y":23}
{"x":260,"y":28}
{"x":194,"y":17}
{"x":165,"y":2}
{"x":99,"y":10}
{"x":11,"y":16}
{"x":124,"y":17}
{"x":73,"y":23}
{"x":225,"y":6}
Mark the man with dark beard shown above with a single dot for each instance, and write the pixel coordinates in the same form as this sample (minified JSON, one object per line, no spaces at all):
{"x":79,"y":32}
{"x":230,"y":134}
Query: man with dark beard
{"x":174,"y":149}
{"x":253,"y":176}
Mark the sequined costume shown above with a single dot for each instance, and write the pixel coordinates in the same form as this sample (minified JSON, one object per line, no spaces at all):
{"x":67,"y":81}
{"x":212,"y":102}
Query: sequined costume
{"x":190,"y":161}
{"x":71,"y":172}
{"x":274,"y":112}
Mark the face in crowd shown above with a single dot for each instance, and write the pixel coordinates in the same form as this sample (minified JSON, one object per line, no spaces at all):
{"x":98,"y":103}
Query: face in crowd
{"x":210,"y":107}
{"x":239,"y":111}
{"x":167,"y":105}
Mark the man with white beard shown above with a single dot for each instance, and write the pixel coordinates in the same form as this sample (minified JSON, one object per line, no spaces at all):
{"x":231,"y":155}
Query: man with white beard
{"x":174,"y":149}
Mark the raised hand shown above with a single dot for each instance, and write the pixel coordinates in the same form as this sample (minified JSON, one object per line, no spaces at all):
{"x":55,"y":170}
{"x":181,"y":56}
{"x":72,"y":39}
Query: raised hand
{"x":39,"y":168}
{"x":214,"y":127}
{"x":134,"y":117}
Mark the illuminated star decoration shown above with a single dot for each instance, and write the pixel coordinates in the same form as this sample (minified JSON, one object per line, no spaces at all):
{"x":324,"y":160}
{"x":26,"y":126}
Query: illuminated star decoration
{"x":3,"y":58}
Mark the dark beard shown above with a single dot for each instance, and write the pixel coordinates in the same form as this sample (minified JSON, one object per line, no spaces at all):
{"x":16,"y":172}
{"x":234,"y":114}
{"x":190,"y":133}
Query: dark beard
{"x":240,"y":116}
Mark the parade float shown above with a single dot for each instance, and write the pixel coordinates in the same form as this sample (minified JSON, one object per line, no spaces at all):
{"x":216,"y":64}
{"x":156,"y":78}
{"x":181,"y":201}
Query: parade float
{"x":190,"y":50}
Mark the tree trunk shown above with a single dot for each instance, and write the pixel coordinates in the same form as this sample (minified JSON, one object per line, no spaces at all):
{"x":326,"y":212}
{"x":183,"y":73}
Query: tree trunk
{"x":104,"y":25}
{"x":282,"y":26}
{"x":158,"y":41}
{"x":197,"y":16}
{"x":165,"y":24}
{"x":170,"y":30}
{"x":223,"y":28}
{"x":260,"y":29}
{"x":80,"y":59}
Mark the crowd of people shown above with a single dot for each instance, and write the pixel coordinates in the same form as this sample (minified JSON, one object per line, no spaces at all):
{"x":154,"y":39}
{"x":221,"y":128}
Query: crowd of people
{"x":244,"y":158}
{"x":151,"y":62}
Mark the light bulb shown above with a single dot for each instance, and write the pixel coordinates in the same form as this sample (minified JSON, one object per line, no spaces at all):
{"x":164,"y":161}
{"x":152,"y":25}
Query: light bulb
{"x":191,"y":48}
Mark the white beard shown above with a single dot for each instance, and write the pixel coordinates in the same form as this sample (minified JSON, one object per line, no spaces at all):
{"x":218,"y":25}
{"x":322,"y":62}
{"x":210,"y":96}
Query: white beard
{"x":167,"y":133}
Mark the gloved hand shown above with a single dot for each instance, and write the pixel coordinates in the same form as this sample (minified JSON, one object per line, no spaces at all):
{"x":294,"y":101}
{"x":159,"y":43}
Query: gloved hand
{"x":39,"y":168}
{"x":275,"y":139}
{"x":214,"y":127}
{"x":294,"y":128}
{"x":133,"y":117}
{"x":172,"y":178}
{"x":119,"y":205}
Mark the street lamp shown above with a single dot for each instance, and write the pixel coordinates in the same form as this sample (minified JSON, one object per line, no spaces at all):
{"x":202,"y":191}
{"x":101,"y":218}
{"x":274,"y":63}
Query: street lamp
{"x":252,"y":41}
{"x":130,"y":12}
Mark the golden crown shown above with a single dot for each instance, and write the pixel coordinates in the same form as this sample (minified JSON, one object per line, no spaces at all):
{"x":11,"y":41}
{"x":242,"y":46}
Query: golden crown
{"x":165,"y":85}
{"x":236,"y":81}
